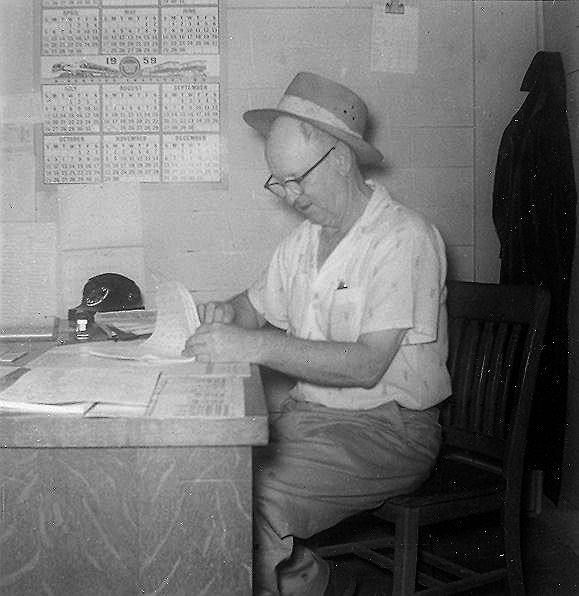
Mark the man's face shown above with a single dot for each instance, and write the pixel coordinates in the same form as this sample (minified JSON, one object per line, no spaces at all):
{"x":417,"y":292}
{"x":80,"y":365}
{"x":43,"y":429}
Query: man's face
{"x":289,"y":154}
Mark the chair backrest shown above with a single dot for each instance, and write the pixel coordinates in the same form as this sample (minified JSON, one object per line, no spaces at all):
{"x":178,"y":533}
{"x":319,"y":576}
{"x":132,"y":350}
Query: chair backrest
{"x":495,"y":340}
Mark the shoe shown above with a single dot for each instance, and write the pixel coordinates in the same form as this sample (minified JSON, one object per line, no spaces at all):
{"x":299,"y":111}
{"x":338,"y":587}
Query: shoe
{"x":341,"y":582}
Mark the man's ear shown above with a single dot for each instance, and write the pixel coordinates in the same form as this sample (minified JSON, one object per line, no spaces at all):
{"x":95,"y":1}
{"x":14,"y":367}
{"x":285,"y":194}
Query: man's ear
{"x":343,"y":157}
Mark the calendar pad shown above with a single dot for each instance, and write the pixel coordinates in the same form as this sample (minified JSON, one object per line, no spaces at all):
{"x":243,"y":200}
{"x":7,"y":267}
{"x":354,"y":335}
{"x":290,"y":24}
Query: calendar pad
{"x":131,"y":89}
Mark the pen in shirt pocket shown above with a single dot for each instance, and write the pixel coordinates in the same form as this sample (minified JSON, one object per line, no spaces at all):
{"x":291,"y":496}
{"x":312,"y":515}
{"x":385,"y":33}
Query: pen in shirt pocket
{"x":342,"y":285}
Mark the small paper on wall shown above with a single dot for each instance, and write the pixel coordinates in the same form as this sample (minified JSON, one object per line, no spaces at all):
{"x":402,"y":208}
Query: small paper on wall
{"x":21,"y":108}
{"x":99,"y":216}
{"x":27,"y":271}
{"x":17,"y":186}
{"x":394,"y":40}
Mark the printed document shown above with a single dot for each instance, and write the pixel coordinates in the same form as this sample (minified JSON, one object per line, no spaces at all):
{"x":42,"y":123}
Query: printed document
{"x":177,"y":320}
{"x":198,"y":397}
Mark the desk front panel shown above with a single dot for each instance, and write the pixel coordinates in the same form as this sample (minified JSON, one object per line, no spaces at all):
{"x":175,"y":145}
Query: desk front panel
{"x":125,"y":521}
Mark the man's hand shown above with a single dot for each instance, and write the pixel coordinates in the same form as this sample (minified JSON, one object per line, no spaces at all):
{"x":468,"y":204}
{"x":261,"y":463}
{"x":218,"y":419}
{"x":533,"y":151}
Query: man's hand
{"x":219,"y":342}
{"x":216,"y":312}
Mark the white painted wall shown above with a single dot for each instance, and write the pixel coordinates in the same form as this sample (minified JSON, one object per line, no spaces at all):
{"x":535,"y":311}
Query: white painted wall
{"x":439,"y":128}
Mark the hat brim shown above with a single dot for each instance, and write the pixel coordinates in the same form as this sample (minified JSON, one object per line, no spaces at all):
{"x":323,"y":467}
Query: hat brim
{"x":262,"y":120}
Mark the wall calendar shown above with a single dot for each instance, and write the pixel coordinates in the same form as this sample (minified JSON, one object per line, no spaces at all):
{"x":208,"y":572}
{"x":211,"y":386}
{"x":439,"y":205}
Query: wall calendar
{"x":131,"y":89}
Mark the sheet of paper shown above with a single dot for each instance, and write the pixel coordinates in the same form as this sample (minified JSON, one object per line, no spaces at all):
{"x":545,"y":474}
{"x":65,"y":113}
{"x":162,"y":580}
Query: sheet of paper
{"x":116,"y":411}
{"x":177,"y":320}
{"x":16,"y":407}
{"x":16,"y":137}
{"x":137,"y":322}
{"x":129,"y":351}
{"x":199,"y":397}
{"x":6,"y":370}
{"x":17,"y":185}
{"x":394,"y":40}
{"x":89,"y":385}
{"x":27,"y":271}
{"x":100,"y":216}
{"x":21,"y":108}
{"x":80,"y":356}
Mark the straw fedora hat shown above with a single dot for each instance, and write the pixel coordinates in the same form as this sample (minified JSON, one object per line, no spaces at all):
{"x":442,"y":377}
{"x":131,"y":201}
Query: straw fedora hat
{"x":326,"y":105}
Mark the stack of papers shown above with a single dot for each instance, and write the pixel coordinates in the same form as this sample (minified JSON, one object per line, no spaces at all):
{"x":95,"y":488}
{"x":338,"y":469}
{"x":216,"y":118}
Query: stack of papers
{"x":102,"y":392}
{"x":143,"y":377}
{"x":176,"y":321}
{"x":134,"y":322}
{"x":75,"y":391}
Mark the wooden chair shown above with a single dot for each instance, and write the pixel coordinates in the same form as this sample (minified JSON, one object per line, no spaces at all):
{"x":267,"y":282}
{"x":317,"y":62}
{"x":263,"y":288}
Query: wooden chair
{"x":495,"y":336}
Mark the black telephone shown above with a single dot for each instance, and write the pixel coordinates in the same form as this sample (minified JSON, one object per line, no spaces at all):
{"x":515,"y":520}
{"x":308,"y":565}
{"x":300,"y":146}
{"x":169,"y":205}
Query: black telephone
{"x":107,"y":292}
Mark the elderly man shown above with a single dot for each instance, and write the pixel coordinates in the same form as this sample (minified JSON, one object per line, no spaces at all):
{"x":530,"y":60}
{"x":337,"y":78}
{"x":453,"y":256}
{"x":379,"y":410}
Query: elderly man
{"x":354,"y":299}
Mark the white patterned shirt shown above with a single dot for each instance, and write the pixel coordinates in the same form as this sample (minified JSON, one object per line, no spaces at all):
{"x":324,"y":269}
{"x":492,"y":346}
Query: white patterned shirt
{"x":388,"y":272}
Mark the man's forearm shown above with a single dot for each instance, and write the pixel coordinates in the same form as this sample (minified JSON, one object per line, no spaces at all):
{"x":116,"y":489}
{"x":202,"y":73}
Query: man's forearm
{"x":338,"y":364}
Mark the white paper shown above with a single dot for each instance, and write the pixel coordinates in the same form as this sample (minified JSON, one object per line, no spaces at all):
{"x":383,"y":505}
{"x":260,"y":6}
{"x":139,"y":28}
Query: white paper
{"x":27,"y":272}
{"x":100,"y":216}
{"x":17,"y":407}
{"x":21,"y":108}
{"x":80,"y":356}
{"x":177,"y":320}
{"x":137,"y":322}
{"x":200,"y":397}
{"x":17,"y":186}
{"x":17,"y":137}
{"x":116,"y":411}
{"x":43,"y":385}
{"x":6,"y":370}
{"x":394,"y":40}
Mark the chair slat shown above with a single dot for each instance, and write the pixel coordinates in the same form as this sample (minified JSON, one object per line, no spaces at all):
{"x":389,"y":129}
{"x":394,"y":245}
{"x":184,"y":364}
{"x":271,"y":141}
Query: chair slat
{"x":494,"y":380}
{"x":463,"y":379}
{"x":480,"y":374}
{"x":510,"y":375}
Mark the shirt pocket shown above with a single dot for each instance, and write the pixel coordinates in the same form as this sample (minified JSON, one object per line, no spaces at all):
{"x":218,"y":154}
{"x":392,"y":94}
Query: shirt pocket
{"x":346,"y":315}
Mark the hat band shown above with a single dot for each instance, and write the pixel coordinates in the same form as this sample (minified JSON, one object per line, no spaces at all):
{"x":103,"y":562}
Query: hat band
{"x":308,"y":109}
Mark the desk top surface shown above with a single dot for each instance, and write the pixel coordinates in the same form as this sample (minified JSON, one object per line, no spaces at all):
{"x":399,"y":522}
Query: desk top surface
{"x":50,"y":431}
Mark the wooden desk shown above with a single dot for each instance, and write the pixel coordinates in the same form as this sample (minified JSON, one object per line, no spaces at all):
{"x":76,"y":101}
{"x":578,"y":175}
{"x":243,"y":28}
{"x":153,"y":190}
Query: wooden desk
{"x":128,"y":506}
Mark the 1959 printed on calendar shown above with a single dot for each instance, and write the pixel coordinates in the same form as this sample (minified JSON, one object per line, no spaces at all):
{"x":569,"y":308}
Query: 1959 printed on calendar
{"x":131,"y":89}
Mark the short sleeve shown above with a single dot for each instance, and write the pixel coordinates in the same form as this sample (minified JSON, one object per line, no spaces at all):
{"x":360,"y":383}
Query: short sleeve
{"x":406,"y":282}
{"x":269,"y":293}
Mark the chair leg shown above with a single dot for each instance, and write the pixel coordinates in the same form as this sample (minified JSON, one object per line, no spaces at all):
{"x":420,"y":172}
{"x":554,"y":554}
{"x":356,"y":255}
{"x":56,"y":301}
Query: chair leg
{"x":405,"y":553}
{"x":512,"y":535}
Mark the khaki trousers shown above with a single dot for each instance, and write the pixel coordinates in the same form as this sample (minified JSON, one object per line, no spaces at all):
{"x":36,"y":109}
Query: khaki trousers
{"x":321,"y":466}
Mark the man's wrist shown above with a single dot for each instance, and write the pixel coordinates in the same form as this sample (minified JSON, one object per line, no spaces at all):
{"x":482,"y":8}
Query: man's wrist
{"x":258,"y":345}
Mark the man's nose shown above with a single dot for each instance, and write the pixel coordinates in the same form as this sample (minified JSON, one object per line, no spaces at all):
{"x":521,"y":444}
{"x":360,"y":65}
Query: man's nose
{"x":292,"y":194}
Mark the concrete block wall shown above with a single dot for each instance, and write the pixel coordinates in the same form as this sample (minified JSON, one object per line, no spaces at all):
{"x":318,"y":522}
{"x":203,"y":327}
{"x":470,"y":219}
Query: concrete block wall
{"x":438,"y":128}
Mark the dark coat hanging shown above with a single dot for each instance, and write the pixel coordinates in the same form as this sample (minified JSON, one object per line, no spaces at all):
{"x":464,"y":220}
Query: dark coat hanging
{"x":534,"y":211}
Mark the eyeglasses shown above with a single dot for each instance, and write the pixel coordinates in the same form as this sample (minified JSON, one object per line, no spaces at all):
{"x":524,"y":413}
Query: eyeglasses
{"x":292,"y":185}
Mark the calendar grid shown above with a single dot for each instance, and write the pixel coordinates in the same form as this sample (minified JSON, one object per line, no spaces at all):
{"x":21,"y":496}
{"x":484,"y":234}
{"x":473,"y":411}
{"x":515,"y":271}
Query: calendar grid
{"x":162,"y":148}
{"x":101,"y":148}
{"x":160,"y":31}
{"x":100,"y":29}
{"x":130,"y":89}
